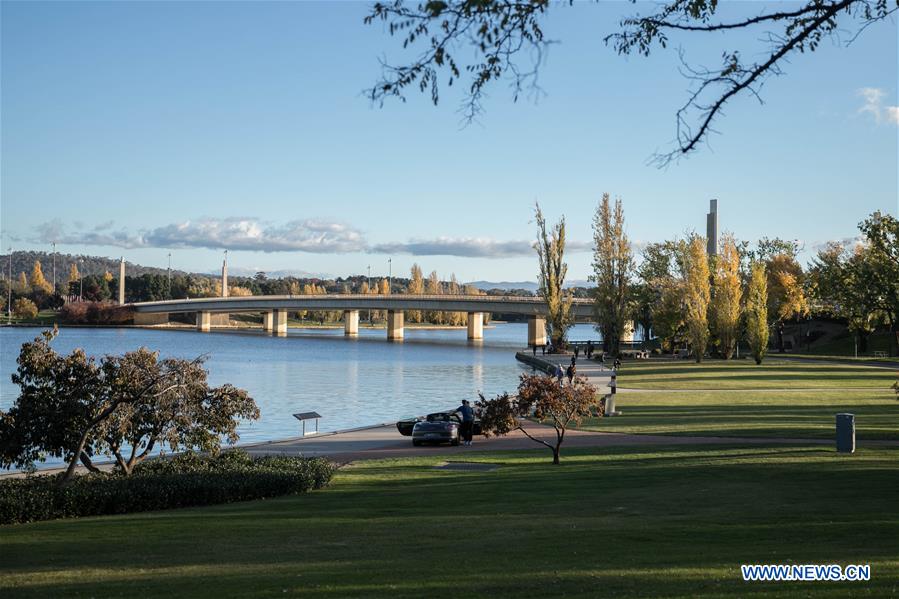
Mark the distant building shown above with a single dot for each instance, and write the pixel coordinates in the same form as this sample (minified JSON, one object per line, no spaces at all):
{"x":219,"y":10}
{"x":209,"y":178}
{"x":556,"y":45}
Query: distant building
{"x":711,"y":228}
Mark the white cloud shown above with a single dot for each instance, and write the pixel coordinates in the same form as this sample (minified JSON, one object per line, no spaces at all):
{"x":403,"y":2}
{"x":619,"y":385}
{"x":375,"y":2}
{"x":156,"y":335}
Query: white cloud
{"x":251,"y":234}
{"x":873,"y":105}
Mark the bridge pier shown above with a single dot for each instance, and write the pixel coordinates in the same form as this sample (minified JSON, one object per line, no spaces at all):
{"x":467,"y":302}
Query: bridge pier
{"x":279,"y":322}
{"x":267,"y":322}
{"x":204,"y":320}
{"x":350,"y":323}
{"x":395,"y":325}
{"x":475,"y":325}
{"x":536,"y":331}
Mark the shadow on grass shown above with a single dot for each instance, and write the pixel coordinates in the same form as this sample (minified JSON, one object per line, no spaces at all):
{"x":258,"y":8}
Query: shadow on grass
{"x":631,"y":521}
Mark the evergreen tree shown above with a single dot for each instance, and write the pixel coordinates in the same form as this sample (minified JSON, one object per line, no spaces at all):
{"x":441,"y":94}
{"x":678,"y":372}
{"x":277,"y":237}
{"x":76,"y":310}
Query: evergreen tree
{"x":756,"y":312}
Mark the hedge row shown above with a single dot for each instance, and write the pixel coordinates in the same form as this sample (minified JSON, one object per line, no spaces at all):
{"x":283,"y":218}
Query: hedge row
{"x":183,"y":481}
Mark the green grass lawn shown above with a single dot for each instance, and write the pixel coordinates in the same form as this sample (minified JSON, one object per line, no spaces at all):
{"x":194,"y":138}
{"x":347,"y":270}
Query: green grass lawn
{"x":791,"y":414}
{"x":793,"y":400}
{"x":745,"y":374}
{"x":617,"y":522}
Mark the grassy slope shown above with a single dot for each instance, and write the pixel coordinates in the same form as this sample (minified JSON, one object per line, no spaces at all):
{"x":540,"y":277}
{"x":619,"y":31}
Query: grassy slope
{"x":745,"y":374}
{"x":773,"y":400}
{"x":623,"y":522}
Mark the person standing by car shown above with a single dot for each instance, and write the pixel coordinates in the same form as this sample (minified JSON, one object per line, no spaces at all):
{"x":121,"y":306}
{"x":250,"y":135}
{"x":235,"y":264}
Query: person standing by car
{"x":467,"y":421}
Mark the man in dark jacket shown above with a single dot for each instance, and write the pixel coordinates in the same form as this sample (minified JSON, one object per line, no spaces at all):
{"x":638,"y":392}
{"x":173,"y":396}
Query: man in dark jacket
{"x":467,"y":421}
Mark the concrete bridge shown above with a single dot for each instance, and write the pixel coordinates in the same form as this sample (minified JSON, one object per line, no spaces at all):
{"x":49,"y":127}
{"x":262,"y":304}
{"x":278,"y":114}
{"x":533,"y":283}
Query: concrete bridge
{"x":275,"y":308}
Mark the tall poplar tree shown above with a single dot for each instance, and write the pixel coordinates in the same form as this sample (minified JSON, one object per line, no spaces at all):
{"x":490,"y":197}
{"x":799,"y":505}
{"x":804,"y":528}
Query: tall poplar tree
{"x":74,"y":275}
{"x":612,"y":267}
{"x":725,"y":309}
{"x":756,"y":312}
{"x":697,"y":295}
{"x":434,"y":287}
{"x":550,"y":255}
{"x":416,"y":287}
{"x":37,"y":279}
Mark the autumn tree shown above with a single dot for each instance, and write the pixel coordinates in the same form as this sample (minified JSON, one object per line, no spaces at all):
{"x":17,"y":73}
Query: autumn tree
{"x":612,"y":267}
{"x":882,"y":234}
{"x":73,"y":407}
{"x":540,"y":397}
{"x":480,"y":42}
{"x":786,"y":296}
{"x":74,"y":275}
{"x":697,"y":295}
{"x":659,"y":292}
{"x":756,"y":312}
{"x":551,"y":258}
{"x":22,"y":285}
{"x":24,"y":308}
{"x":434,"y":287}
{"x":37,"y":280}
{"x":726,"y":297}
{"x":416,"y":287}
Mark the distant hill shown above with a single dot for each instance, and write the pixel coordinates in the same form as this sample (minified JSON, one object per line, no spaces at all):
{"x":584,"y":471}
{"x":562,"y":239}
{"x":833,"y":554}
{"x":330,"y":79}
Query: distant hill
{"x":526,"y":285}
{"x":87,"y":265}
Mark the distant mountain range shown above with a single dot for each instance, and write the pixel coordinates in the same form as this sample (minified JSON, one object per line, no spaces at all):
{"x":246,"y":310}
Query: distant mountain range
{"x":527,"y":285}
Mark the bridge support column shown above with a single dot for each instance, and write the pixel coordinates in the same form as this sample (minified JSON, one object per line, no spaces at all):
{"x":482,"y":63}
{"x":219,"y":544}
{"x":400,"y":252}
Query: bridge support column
{"x":267,"y":322}
{"x":536,"y":331}
{"x":475,"y":325}
{"x":279,"y":322}
{"x":204,"y":320}
{"x":395,"y":325}
{"x":350,"y":323}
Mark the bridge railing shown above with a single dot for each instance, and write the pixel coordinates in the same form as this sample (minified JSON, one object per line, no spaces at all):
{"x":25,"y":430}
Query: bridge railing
{"x":518,"y":299}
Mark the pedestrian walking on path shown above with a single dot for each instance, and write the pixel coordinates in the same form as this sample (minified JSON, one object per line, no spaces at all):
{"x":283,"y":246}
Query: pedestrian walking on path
{"x":560,"y":374}
{"x":571,"y":372}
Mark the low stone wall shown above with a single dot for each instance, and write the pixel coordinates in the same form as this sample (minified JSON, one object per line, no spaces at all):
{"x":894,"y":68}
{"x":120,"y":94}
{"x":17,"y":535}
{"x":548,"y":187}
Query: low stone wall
{"x":538,"y":363}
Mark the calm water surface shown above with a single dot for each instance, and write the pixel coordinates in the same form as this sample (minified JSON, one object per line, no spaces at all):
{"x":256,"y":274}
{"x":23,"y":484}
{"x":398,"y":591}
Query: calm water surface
{"x":350,"y":382}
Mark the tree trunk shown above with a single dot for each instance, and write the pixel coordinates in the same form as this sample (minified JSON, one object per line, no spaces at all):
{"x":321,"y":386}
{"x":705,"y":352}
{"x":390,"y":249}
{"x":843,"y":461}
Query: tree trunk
{"x":70,"y":470}
{"x":863,"y":342}
{"x":556,"y":451}
{"x":780,"y":337}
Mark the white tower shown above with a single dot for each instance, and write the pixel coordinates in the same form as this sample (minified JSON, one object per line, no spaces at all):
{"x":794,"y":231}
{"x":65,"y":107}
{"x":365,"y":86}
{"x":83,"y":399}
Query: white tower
{"x":711,"y":228}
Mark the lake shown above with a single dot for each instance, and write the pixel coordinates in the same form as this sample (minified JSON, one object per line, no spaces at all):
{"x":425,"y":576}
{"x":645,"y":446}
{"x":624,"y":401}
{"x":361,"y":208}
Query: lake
{"x":351,"y":382}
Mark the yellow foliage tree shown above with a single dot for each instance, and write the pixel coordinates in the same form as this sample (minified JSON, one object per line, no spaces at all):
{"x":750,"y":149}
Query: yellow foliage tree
{"x":23,"y":286}
{"x":756,"y":312}
{"x":74,"y":275}
{"x":725,"y":309}
{"x":416,"y":287}
{"x":697,"y":295}
{"x":37,"y":279}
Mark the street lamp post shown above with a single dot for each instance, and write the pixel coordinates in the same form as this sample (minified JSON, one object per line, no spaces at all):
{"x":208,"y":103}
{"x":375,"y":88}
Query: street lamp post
{"x":389,"y":275}
{"x":369,"y":290}
{"x":170,"y":276}
{"x":81,"y":280}
{"x":54,"y":267}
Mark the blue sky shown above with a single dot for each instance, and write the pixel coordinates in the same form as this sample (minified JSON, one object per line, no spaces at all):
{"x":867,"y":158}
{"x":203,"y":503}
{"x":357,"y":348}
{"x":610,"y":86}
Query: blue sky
{"x":140,"y":129}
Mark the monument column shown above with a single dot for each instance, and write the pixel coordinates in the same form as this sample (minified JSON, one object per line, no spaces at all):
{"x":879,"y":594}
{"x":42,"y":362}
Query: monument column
{"x":225,"y":275}
{"x":122,"y":281}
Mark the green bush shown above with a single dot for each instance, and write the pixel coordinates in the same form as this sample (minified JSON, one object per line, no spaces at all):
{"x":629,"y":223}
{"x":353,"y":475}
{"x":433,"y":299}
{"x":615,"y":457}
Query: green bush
{"x":185,"y":480}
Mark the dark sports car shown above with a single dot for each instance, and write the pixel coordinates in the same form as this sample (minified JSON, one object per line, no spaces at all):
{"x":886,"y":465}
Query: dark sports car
{"x":439,"y":427}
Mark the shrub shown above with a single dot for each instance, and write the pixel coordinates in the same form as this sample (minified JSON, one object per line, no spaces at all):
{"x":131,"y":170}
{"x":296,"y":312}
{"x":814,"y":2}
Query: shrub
{"x":186,"y":480}
{"x":24,"y":308}
{"x":106,"y":313}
